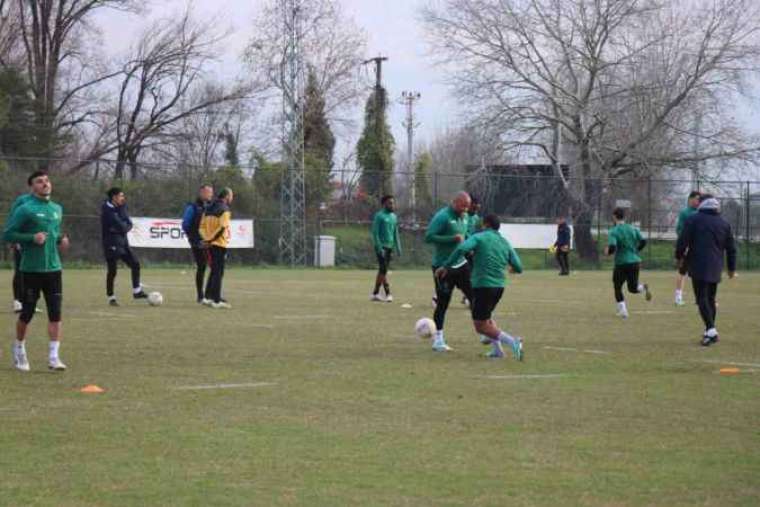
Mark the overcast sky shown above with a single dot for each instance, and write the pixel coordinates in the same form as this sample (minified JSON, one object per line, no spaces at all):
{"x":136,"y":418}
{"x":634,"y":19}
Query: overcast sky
{"x":392,"y":30}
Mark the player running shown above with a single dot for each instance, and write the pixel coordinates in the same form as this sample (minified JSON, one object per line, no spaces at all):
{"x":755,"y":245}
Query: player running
{"x":691,"y":207}
{"x":115,"y":224}
{"x":191,"y":222}
{"x":385,"y":239}
{"x":36,"y":226}
{"x":216,"y":233}
{"x":492,"y":255}
{"x":706,"y":236}
{"x":446,"y":230}
{"x":625,"y":242}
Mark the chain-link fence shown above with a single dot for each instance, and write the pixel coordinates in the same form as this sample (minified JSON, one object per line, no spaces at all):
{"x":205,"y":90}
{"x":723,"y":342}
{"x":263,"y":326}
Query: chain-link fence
{"x":338,"y":206}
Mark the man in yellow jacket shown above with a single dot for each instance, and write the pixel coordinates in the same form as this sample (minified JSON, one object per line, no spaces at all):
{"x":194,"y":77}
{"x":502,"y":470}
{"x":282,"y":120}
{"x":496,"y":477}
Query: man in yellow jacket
{"x":215,"y":233}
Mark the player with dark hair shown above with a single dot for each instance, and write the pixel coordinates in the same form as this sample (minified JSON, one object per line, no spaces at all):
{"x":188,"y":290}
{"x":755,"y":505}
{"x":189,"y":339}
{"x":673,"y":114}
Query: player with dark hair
{"x":492,"y":255}
{"x":705,"y":239}
{"x":625,"y":242}
{"x":115,"y":224}
{"x":562,"y":246}
{"x":215,"y":230}
{"x":691,"y":208}
{"x":446,"y":230}
{"x":191,"y":221}
{"x":474,"y":220}
{"x":36,"y":226}
{"x":385,"y":239}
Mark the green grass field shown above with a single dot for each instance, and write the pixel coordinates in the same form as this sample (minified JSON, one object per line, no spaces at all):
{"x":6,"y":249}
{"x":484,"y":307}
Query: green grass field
{"x":308,"y":394}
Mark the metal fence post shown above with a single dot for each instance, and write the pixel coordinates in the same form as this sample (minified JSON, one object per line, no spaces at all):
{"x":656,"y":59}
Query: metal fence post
{"x":748,"y":229}
{"x":649,"y":220}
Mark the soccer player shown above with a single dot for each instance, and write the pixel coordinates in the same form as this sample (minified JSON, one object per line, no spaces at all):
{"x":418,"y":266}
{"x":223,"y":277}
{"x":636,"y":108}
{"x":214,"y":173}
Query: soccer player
{"x":36,"y":226}
{"x":625,"y":242}
{"x":446,"y":230}
{"x":191,"y":221}
{"x":115,"y":224}
{"x":705,"y":238}
{"x":385,"y":239}
{"x":562,"y":246}
{"x":18,"y":285}
{"x":691,"y":207}
{"x":215,"y":232}
{"x":492,"y":255}
{"x":474,"y":221}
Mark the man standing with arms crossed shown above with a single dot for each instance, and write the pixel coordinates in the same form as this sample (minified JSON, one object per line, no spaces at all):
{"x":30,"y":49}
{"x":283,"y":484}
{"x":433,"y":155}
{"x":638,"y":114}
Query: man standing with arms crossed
{"x":385,"y":239}
{"x":691,"y":208}
{"x":36,"y":226}
{"x":492,"y":255}
{"x":707,"y":237}
{"x":191,"y":222}
{"x":215,"y":230}
{"x":446,"y":230}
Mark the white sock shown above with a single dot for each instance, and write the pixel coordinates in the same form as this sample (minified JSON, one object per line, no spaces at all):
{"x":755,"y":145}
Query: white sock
{"x":621,"y":307}
{"x":496,"y":347}
{"x":439,"y":337}
{"x":506,"y":339}
{"x":18,"y":345}
{"x":112,"y":298}
{"x":712,"y":332}
{"x":679,"y":295}
{"x":640,"y":288}
{"x":137,"y":290}
{"x":54,"y":345}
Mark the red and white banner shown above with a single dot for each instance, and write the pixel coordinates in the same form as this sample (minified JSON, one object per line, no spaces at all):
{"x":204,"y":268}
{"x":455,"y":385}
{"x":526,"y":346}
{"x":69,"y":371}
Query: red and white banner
{"x":168,"y":233}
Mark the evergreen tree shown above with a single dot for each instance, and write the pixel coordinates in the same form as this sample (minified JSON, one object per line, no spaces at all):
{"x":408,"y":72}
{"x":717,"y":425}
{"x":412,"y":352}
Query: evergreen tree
{"x":375,"y":149}
{"x":319,"y":144}
{"x":422,"y":167}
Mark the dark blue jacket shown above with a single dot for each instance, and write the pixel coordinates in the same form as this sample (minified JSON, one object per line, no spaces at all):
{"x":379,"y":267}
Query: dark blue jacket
{"x":705,"y":238}
{"x":191,"y":221}
{"x":114,"y":225}
{"x":563,"y":235}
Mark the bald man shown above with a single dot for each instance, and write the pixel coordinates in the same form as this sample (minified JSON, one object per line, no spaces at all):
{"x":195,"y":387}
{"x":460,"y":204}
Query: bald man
{"x":447,"y":229}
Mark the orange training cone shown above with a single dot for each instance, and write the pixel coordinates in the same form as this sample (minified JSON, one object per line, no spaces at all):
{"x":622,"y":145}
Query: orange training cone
{"x":729,"y":371}
{"x":92,"y":389}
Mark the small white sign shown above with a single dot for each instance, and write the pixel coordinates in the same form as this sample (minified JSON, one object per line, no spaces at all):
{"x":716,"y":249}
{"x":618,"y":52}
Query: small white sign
{"x":167,"y":233}
{"x":531,"y":236}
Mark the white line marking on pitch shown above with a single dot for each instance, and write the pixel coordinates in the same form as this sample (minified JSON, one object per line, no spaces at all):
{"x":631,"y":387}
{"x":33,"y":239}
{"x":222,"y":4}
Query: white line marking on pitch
{"x":653,"y":312}
{"x":293,"y":317}
{"x":525,"y":376}
{"x":572,"y":349}
{"x":717,"y":361}
{"x":225,"y":386}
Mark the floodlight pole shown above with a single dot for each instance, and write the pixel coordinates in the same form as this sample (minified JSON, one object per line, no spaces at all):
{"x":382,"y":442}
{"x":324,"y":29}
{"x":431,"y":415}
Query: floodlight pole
{"x":408,"y":99}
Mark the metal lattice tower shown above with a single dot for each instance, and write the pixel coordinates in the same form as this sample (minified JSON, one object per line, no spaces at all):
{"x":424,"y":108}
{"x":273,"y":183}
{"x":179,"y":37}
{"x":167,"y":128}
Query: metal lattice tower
{"x":293,"y":195}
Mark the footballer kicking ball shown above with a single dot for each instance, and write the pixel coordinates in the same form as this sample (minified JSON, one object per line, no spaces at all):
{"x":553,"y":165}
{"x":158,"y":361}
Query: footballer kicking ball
{"x":155,"y":299}
{"x":425,"y":328}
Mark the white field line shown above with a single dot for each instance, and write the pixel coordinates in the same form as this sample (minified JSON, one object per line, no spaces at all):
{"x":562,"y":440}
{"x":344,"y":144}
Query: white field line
{"x":296,"y":317}
{"x":572,"y":349}
{"x":733,"y":363}
{"x":653,"y":312}
{"x":225,"y":386}
{"x":525,"y":376}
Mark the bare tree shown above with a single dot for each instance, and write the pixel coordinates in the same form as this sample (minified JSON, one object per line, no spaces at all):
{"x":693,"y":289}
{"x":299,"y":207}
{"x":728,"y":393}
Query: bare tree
{"x":607,"y":88}
{"x":48,"y":32}
{"x":333,"y":48}
{"x":156,"y":92}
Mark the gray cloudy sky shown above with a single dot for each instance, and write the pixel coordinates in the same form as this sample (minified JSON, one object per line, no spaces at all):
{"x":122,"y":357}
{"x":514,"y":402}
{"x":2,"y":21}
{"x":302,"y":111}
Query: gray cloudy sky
{"x":392,"y":31}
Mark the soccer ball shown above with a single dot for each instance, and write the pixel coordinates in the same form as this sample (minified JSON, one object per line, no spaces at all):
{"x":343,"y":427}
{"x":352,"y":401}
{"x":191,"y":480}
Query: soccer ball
{"x":425,"y":328}
{"x":155,"y":299}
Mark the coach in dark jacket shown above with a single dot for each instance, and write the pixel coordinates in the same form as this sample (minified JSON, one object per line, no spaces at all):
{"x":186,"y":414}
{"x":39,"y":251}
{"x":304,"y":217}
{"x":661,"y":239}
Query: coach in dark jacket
{"x":191,"y":221}
{"x":707,"y":237}
{"x":115,"y":224}
{"x":562,"y":246}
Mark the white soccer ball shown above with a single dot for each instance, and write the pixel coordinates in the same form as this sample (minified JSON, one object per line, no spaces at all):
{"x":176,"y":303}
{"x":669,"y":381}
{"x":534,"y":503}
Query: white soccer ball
{"x":425,"y":328}
{"x":155,"y":299}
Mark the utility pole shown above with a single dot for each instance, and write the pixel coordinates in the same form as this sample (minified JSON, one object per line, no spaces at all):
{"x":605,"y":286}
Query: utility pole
{"x":408,"y":99}
{"x":293,"y":195}
{"x":379,"y":103}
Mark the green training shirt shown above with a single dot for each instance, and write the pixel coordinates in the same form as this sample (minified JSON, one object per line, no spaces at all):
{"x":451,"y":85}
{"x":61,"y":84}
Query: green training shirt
{"x":473,"y":224}
{"x":36,"y":215}
{"x":625,"y":238}
{"x":385,"y":231}
{"x":493,"y":254}
{"x":682,"y":216}
{"x":441,"y":233}
{"x":20,"y":201}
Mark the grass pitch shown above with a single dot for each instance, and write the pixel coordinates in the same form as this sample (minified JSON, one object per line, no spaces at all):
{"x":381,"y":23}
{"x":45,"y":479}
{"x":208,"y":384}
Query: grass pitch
{"x":308,"y":394}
